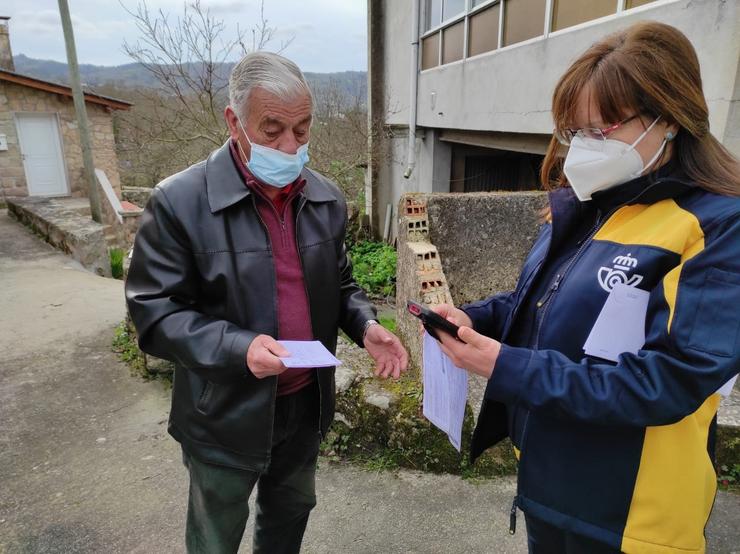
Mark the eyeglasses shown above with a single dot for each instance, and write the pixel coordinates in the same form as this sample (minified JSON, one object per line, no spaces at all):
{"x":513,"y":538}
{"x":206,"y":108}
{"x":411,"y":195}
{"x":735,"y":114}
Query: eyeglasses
{"x":565,"y":136}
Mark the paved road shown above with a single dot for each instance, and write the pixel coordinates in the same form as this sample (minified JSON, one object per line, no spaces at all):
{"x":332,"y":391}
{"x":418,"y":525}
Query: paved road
{"x":86,"y":464}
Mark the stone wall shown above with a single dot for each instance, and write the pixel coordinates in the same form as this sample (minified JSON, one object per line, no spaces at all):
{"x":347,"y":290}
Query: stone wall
{"x":460,"y":248}
{"x":137,"y":195}
{"x":17,"y":98}
{"x":483,"y":238}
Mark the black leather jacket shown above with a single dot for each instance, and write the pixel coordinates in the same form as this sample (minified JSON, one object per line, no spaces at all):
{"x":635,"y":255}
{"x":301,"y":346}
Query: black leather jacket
{"x":201,"y":287}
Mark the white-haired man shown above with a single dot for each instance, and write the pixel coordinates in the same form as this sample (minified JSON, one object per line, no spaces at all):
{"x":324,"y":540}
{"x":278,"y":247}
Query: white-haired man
{"x":233,"y":253}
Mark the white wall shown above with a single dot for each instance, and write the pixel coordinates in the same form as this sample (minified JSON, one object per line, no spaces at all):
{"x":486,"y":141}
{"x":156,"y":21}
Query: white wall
{"x":397,"y":59}
{"x":510,"y":89}
{"x":431,"y":174}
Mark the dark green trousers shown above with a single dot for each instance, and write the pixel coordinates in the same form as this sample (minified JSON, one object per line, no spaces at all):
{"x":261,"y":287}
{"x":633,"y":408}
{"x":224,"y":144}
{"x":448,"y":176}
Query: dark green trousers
{"x":217,"y":504}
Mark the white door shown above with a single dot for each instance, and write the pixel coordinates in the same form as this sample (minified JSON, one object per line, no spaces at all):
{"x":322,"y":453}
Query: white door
{"x":41,"y":150}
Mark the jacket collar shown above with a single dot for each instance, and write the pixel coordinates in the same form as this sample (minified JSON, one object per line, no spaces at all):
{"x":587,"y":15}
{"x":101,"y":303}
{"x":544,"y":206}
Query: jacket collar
{"x":225,"y":186}
{"x":669,"y":181}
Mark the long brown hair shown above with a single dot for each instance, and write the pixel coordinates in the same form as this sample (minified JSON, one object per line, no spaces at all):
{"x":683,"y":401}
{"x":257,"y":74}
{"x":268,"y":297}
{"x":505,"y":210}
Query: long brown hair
{"x":649,"y":68}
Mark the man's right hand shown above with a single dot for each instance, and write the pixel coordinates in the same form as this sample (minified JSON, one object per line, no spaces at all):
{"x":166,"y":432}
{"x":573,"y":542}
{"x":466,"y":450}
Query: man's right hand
{"x":453,"y":314}
{"x":263,"y":356}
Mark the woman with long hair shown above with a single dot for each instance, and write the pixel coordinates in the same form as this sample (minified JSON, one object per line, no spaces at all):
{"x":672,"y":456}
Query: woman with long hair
{"x":614,"y":429}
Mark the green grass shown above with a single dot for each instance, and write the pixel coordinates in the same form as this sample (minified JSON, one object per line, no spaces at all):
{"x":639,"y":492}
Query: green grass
{"x":116,"y":262}
{"x":388,"y":322}
{"x":124,"y":344}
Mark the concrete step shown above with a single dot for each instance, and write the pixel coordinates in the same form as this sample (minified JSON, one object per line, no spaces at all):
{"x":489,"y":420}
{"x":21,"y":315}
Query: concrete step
{"x":63,"y":223}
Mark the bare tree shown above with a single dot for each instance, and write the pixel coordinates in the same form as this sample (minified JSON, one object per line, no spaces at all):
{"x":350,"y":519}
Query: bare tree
{"x":339,"y":137}
{"x":180,"y":121}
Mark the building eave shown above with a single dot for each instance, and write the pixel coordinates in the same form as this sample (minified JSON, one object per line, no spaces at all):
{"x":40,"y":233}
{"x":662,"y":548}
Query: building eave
{"x":56,"y":88}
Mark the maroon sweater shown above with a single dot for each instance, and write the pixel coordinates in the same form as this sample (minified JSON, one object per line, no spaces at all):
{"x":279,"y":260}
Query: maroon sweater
{"x":294,"y":316}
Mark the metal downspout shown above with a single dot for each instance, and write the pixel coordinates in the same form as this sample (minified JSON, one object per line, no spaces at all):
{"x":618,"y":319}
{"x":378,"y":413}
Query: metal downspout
{"x":411,"y":158}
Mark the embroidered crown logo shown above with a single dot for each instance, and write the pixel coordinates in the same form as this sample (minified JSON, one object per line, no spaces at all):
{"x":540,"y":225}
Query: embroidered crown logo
{"x":617,"y":275}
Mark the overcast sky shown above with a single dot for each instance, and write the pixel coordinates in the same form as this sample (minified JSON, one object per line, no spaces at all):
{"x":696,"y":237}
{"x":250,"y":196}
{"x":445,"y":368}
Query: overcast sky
{"x":330,"y":35}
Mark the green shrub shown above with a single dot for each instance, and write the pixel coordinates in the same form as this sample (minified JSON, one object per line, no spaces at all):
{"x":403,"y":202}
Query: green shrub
{"x":374,"y":267}
{"x":729,"y":477}
{"x":116,"y":262}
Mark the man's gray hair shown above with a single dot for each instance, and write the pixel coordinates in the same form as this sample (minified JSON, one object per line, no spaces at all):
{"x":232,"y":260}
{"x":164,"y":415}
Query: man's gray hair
{"x":270,"y":72}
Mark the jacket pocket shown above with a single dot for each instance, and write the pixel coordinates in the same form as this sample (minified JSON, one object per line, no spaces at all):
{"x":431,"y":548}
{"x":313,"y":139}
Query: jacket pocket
{"x":716,"y":322}
{"x":205,"y":397}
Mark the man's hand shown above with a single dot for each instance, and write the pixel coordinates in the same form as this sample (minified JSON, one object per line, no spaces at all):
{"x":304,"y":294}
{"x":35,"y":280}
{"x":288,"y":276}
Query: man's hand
{"x":389,"y":354}
{"x":262,"y":356}
{"x":478,"y":354}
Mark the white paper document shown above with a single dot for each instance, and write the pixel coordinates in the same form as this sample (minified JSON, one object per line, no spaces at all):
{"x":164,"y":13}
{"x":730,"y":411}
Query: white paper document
{"x":445,"y":391}
{"x":620,"y":326}
{"x":726,"y":389}
{"x":305,"y":353}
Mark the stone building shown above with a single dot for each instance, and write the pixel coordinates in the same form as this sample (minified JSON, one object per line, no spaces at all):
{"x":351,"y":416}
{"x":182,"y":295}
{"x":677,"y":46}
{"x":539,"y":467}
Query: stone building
{"x":40,"y":152}
{"x":42,"y":177}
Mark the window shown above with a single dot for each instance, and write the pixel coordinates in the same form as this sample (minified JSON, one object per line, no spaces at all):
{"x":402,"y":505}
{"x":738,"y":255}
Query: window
{"x":453,"y":42}
{"x":432,"y":14}
{"x":437,"y":11}
{"x":483,"y":30}
{"x":566,"y":13}
{"x":430,"y":51}
{"x":523,"y":19}
{"x":478,"y":169}
{"x":492,"y":24}
{"x":452,"y":8}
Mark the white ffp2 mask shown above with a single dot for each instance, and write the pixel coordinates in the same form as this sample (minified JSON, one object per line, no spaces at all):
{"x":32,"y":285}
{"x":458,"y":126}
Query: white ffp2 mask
{"x":593,"y":165}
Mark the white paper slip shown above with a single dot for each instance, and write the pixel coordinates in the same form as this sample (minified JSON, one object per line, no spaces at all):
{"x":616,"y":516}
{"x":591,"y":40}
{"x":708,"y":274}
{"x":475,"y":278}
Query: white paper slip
{"x":620,"y":326}
{"x":726,"y":389}
{"x":445,"y":391}
{"x":305,"y":353}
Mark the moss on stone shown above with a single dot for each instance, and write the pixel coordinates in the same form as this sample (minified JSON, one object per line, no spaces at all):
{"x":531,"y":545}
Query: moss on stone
{"x":401,"y":437}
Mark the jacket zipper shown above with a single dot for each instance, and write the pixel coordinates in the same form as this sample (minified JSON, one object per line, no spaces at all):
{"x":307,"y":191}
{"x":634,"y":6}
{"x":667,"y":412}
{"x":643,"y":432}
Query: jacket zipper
{"x":274,"y":308}
{"x":519,"y":300}
{"x":308,"y":297}
{"x":512,"y":516}
{"x":544,"y":303}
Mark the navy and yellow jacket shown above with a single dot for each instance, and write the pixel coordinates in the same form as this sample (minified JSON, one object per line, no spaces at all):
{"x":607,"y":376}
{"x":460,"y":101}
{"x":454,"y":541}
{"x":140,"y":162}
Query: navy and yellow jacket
{"x":619,"y":451}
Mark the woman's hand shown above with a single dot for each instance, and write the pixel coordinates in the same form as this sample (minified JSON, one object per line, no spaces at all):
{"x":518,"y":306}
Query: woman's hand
{"x":478,"y":354}
{"x":453,"y":314}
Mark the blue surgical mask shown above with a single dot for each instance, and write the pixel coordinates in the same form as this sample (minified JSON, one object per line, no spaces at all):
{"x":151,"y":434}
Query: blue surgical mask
{"x":273,"y":167}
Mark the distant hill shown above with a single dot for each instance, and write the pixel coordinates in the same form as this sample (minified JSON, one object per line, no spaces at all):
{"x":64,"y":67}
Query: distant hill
{"x":133,"y":75}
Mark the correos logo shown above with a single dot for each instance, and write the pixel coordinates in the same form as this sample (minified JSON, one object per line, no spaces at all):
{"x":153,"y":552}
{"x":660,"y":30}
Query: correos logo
{"x":618,"y":273}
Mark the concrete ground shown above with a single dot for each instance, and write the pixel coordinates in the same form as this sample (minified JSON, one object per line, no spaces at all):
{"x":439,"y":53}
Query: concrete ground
{"x":86,"y":464}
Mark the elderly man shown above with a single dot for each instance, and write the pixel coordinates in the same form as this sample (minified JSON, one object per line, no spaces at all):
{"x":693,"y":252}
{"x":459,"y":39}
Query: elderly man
{"x":233,"y":253}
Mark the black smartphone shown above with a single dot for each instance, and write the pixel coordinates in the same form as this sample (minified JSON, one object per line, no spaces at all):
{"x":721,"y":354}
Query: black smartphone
{"x":432,"y":321}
